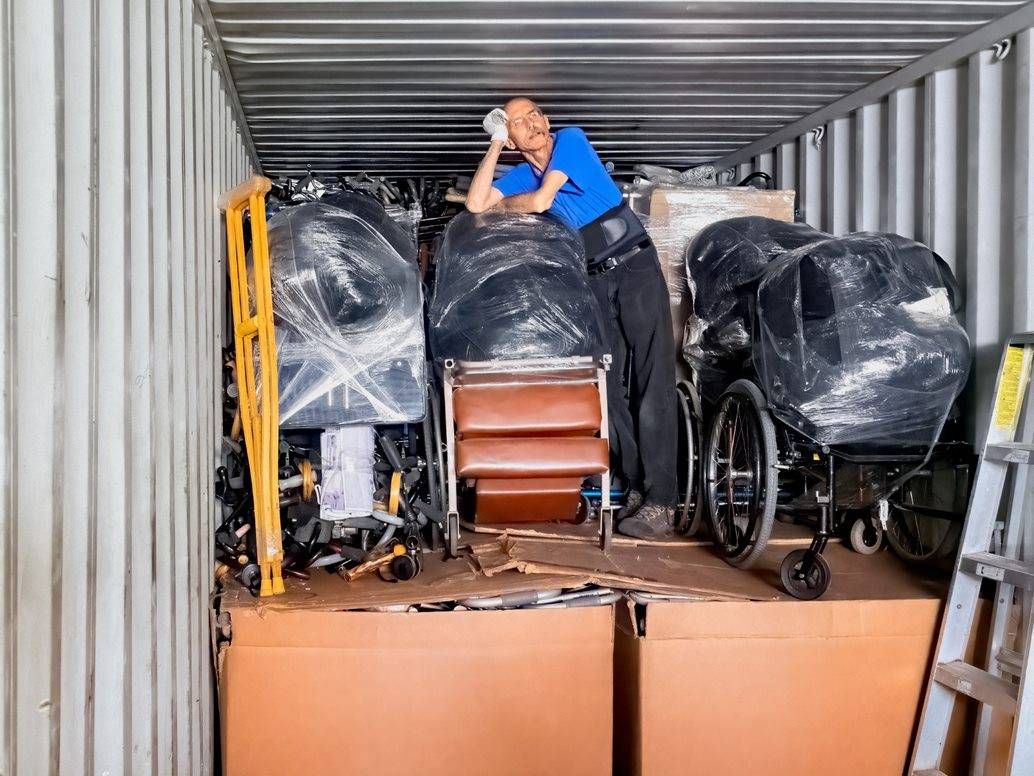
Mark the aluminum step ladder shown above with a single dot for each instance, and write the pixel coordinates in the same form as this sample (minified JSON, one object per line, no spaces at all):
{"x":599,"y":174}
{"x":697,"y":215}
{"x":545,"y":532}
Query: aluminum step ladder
{"x":1005,"y":686}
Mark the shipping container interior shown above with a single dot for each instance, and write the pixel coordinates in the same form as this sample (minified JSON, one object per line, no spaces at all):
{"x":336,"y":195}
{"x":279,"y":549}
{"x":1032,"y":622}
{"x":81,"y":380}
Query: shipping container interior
{"x":122,"y":122}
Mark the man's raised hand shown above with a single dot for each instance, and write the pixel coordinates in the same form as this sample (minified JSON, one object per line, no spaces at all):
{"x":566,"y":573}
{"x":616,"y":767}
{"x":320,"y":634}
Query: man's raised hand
{"x":495,"y":125}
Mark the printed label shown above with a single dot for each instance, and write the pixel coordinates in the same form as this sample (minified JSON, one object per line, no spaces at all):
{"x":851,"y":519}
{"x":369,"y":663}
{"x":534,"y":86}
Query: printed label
{"x":1009,"y":401}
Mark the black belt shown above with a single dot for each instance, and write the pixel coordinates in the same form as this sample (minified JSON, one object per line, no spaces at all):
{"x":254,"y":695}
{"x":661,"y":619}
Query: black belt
{"x":611,"y":262}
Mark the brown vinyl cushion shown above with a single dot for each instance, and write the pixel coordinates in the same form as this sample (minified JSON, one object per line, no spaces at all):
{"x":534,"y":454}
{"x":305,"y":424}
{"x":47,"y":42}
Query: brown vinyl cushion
{"x":539,"y":500}
{"x":530,"y":457}
{"x":560,"y":409}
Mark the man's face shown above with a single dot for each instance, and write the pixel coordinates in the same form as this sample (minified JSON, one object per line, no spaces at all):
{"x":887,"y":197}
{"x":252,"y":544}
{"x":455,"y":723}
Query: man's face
{"x":528,"y":125}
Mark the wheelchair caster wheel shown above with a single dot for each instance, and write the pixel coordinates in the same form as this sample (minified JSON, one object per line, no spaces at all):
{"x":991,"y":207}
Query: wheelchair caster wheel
{"x":805,"y":586}
{"x":584,"y":510}
{"x":866,"y":537}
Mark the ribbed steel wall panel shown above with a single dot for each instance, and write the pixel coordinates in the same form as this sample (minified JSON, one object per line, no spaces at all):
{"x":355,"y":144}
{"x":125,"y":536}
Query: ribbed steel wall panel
{"x":946,"y":159}
{"x":117,"y":133}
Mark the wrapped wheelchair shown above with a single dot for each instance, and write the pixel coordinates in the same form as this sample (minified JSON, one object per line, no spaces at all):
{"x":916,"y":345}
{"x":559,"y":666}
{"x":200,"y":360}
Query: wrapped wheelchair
{"x":825,"y":370}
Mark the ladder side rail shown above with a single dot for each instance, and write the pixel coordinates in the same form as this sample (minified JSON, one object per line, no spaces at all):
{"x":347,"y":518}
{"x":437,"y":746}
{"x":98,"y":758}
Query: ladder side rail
{"x":957,"y":621}
{"x":1012,"y":544}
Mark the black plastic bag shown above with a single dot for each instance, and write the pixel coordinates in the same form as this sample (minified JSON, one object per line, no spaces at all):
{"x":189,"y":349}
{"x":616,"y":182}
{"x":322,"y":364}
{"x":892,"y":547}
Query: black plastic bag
{"x":511,"y":286}
{"x":859,"y":341}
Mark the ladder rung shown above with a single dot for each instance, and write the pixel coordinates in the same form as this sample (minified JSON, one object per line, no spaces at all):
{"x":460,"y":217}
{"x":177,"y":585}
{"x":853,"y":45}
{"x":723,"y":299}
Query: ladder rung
{"x":998,"y":568}
{"x":1010,"y":661}
{"x":978,"y":684}
{"x":1010,"y":452}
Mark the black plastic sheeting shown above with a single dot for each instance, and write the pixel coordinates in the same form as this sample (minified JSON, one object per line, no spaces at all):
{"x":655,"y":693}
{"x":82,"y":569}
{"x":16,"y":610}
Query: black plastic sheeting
{"x":855,"y":340}
{"x":348,"y":309}
{"x":512,"y":286}
{"x":723,"y":264}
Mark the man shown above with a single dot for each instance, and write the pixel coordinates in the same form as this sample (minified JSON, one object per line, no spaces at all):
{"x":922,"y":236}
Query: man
{"x":562,"y":175}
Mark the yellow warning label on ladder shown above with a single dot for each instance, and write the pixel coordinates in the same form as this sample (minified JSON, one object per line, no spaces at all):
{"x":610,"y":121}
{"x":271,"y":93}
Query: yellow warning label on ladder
{"x":1015,"y":372}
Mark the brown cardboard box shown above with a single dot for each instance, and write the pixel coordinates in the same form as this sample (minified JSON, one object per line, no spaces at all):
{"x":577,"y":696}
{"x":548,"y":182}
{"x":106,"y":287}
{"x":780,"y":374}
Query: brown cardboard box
{"x":490,"y":692}
{"x":771,"y":687}
{"x":673,"y":216}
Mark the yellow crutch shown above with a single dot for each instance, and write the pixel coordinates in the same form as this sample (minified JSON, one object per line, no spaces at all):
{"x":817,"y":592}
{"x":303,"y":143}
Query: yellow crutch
{"x":253,"y":337}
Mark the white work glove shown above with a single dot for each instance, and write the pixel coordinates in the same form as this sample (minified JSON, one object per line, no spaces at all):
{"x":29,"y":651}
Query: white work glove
{"x":495,"y":125}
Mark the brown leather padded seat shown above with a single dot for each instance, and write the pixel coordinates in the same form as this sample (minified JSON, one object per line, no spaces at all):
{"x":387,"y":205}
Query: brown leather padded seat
{"x":530,"y":457}
{"x":526,"y":444}
{"x":555,"y":409}
{"x":537,"y":500}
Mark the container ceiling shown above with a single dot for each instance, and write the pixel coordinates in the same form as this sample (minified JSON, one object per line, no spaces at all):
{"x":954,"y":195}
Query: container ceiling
{"x":401,"y":87}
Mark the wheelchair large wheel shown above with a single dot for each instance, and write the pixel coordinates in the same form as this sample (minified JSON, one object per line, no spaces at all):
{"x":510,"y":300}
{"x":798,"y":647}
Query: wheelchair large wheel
{"x":925,"y":522}
{"x":690,"y":509}
{"x":740,"y":475}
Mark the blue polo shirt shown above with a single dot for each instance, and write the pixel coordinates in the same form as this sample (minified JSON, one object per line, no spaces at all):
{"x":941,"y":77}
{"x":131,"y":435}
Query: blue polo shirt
{"x":588,"y":192}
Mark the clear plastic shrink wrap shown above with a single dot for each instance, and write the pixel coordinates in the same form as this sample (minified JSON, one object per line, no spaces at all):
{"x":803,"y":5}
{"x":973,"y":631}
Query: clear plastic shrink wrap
{"x":511,"y":286}
{"x":859,"y":342}
{"x":348,"y":311}
{"x":723,"y":265}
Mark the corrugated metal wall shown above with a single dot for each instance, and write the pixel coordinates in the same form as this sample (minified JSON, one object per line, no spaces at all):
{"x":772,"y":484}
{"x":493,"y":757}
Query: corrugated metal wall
{"x":117,"y":135}
{"x":948,"y":160}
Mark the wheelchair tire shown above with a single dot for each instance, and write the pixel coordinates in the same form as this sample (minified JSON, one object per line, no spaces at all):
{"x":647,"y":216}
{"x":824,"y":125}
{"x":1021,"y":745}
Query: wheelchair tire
{"x":741,"y":481}
{"x":805,"y":587}
{"x":866,"y":536}
{"x":919,"y":538}
{"x":690,"y":509}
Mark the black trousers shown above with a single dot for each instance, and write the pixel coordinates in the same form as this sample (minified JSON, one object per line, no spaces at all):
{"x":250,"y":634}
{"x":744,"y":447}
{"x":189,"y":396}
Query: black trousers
{"x":633,"y":298}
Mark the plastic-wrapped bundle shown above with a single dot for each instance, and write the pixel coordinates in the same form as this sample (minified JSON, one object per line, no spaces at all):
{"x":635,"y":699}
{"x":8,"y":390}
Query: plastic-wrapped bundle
{"x":348,"y":312}
{"x":510,"y":286}
{"x":723,"y":264}
{"x":859,"y":341}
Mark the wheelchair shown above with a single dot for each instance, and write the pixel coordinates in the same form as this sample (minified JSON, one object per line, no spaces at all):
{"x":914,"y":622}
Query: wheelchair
{"x":778,"y":439}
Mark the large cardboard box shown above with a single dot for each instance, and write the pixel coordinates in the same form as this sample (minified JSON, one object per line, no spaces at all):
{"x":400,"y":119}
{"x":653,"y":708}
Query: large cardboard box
{"x":771,"y":687}
{"x":466,"y":692}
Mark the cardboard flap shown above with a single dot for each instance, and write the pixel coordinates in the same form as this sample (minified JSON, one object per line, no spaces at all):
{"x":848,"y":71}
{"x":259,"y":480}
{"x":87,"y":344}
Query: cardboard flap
{"x":789,"y":619}
{"x":358,"y":630}
{"x":624,"y":617}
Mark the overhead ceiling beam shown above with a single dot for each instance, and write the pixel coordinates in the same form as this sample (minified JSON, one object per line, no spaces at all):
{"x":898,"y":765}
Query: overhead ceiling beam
{"x":944,"y":57}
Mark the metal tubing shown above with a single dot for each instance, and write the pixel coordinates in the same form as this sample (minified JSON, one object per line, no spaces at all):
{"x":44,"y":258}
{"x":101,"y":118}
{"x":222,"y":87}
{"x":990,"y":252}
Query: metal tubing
{"x":452,"y":525}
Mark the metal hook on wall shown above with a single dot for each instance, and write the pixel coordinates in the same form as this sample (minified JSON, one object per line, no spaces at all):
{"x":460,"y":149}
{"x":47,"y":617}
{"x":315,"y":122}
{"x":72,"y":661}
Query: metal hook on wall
{"x":1001,"y":49}
{"x":817,"y":134}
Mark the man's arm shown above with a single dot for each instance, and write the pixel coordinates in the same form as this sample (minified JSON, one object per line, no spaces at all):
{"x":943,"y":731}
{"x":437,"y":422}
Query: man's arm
{"x":538,"y":201}
{"x":482,"y":195}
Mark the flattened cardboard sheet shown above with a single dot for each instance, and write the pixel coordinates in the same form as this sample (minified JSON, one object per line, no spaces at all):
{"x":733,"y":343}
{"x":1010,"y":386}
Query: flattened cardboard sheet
{"x":697,"y":571}
{"x":440,"y":581}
